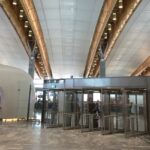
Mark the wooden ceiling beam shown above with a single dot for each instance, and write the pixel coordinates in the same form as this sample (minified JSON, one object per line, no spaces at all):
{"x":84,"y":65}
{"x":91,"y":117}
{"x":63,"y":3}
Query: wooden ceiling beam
{"x":36,"y":27}
{"x":141,"y":68}
{"x":19,"y":27}
{"x":101,"y":24}
{"x":124,"y":17}
{"x":12,"y":16}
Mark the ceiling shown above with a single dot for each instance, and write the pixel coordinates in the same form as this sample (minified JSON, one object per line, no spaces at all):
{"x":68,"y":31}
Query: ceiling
{"x":12,"y":52}
{"x":68,"y":27}
{"x":133,"y":44}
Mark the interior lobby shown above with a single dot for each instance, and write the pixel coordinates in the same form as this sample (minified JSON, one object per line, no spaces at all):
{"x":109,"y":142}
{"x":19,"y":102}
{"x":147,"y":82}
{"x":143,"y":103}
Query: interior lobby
{"x":74,"y":74}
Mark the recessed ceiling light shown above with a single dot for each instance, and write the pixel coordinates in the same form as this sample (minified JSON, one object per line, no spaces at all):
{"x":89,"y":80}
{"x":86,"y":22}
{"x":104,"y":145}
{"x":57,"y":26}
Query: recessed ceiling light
{"x":109,"y":27}
{"x":21,"y":13}
{"x":30,"y":33}
{"x":14,"y":2}
{"x":26,"y":24}
{"x":114,"y":16}
{"x":120,"y":4}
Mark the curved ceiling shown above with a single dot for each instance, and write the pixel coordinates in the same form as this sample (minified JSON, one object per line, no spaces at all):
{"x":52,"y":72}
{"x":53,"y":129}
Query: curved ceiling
{"x":133,"y":44}
{"x":12,"y":52}
{"x":68,"y":27}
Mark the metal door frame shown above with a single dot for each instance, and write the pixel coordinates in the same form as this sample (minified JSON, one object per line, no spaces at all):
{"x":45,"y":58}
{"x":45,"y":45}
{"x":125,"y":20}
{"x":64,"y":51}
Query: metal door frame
{"x":136,"y":132}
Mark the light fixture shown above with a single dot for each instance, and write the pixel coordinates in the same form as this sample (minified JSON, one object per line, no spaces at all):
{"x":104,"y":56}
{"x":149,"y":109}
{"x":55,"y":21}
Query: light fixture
{"x":14,"y":2}
{"x":30,"y":33}
{"x":105,"y":35}
{"x":94,"y":64}
{"x":21,"y":13}
{"x":26,"y":24}
{"x":38,"y":56}
{"x":36,"y":47}
{"x":109,"y":27}
{"x":32,"y":58}
{"x":114,"y":16}
{"x":120,"y":4}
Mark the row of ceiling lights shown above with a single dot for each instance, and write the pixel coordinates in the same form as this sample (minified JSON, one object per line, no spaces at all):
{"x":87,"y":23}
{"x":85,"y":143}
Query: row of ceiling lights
{"x":121,"y":27}
{"x":114,"y":18}
{"x":21,"y":15}
{"x":30,"y":34}
{"x":145,"y":71}
{"x":109,"y":28}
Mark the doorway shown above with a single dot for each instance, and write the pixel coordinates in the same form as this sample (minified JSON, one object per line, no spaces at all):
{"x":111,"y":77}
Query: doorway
{"x":136,"y":117}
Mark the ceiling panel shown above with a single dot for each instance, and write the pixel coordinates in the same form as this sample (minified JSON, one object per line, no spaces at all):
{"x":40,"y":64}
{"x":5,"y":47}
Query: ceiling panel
{"x":68,"y":27}
{"x":12,"y":52}
{"x":133,"y":45}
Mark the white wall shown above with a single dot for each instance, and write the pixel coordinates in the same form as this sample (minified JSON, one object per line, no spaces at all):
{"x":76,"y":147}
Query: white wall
{"x":15,"y":84}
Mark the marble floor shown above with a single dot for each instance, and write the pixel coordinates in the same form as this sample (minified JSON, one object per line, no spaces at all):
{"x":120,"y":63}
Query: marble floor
{"x":34,"y":137}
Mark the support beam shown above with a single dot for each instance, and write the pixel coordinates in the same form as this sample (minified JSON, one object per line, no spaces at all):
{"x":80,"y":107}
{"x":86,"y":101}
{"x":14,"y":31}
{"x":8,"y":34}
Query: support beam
{"x":32,"y":61}
{"x":44,"y":105}
{"x":35,"y":24}
{"x":120,"y":24}
{"x":102,"y":65}
{"x":124,"y":18}
{"x":148,"y":104}
{"x":101,"y":24}
{"x":93,"y":83}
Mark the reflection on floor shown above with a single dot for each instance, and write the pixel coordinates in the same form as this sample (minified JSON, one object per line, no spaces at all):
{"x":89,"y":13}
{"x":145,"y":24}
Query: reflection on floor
{"x":37,"y":114}
{"x":25,"y":136}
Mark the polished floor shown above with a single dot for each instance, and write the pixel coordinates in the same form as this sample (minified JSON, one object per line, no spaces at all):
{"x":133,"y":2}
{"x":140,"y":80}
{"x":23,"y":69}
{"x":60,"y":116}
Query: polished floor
{"x":33,"y":137}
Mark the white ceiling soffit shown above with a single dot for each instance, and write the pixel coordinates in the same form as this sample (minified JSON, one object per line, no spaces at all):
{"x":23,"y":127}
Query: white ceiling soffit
{"x":68,"y":27}
{"x":12,"y":52}
{"x":133,"y":45}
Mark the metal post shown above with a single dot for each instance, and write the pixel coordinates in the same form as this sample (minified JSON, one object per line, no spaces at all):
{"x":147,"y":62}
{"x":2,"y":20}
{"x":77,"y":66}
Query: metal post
{"x":145,"y":110}
{"x":148,"y":104}
{"x":28,"y":111}
{"x":125,"y":111}
{"x":44,"y":104}
{"x":64,"y":107}
{"x":82,"y":111}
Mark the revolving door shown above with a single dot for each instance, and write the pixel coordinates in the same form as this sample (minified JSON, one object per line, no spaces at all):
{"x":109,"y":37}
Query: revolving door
{"x":136,"y":113}
{"x":113,"y":111}
{"x":91,"y":110}
{"x":124,"y":111}
{"x":72,"y":109}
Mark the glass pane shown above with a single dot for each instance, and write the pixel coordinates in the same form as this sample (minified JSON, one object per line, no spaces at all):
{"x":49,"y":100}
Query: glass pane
{"x":132,"y":105}
{"x":140,"y":113}
{"x":96,"y":97}
{"x":85,"y":97}
{"x":113,"y":104}
{"x":132,"y":110}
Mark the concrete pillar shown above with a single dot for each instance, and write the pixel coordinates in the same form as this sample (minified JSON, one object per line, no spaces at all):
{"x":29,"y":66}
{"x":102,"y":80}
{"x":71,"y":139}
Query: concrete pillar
{"x":102,"y":64}
{"x":102,"y":68}
{"x":31,"y":73}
